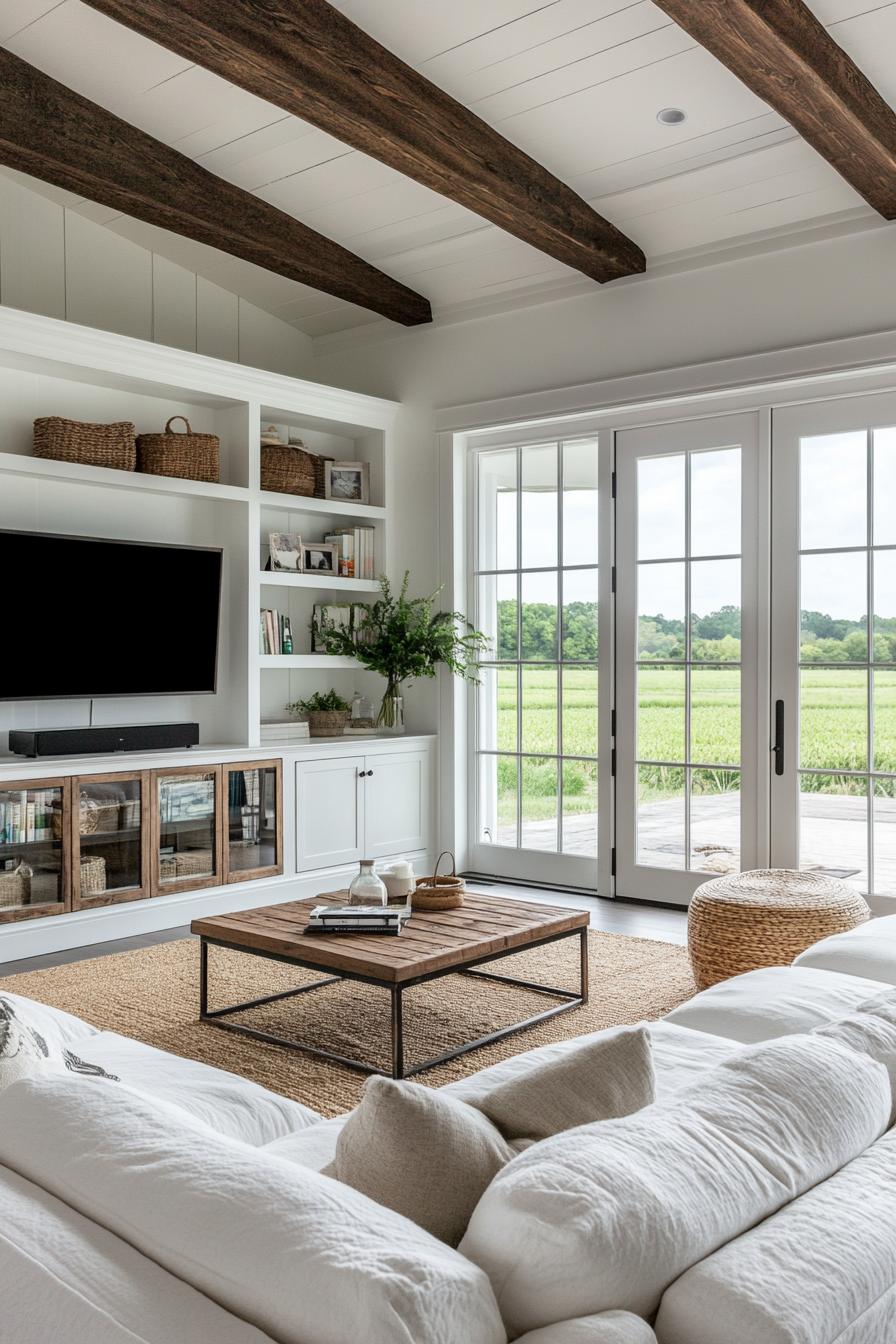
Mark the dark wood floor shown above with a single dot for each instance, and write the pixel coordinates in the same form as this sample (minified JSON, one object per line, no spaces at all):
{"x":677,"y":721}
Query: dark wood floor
{"x":637,"y":919}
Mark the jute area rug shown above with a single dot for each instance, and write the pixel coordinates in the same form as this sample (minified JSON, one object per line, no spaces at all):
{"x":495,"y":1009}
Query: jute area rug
{"x":152,"y":995}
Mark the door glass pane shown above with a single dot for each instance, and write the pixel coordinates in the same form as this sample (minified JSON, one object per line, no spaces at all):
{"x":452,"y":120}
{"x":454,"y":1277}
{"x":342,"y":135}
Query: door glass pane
{"x":580,"y":512}
{"x":715,"y":715}
{"x":884,"y":487}
{"x":715,"y":502}
{"x":834,"y":827}
{"x":498,"y":800}
{"x":833,"y":490}
{"x":579,"y":636}
{"x":497,"y":510}
{"x":186,"y":827}
{"x":661,"y":611}
{"x":538,"y":617}
{"x":497,"y":616}
{"x":580,"y":808}
{"x":834,"y":607}
{"x":31,"y":831}
{"x":252,"y":819}
{"x":539,"y":507}
{"x":885,"y":604}
{"x":715,"y":821}
{"x":885,"y":721}
{"x":661,"y":507}
{"x":834,"y":718}
{"x":885,"y":837}
{"x":538,"y":820}
{"x":111,"y":839}
{"x":661,"y":813}
{"x":661,"y":713}
{"x":715,"y":611}
{"x":580,"y":711}
{"x":496,"y":716}
{"x":539,"y":716}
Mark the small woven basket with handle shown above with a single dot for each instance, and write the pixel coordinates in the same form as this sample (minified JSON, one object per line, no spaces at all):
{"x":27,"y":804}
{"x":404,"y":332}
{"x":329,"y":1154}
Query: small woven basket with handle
{"x":442,"y":891}
{"x":193,"y":457}
{"x":111,"y":445}
{"x":288,"y":469}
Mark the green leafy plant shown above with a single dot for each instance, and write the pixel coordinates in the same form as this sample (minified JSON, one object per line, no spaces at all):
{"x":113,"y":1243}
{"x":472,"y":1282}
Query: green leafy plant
{"x":319,"y":703}
{"x":403,"y":637}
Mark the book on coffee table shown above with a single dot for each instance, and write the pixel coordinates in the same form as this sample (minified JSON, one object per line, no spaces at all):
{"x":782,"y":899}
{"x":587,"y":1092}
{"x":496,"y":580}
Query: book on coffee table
{"x":353,"y":919}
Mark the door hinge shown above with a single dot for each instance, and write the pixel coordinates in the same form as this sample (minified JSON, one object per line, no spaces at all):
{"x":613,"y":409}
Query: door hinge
{"x":613,"y":861}
{"x":613,"y":485}
{"x":612,"y":578}
{"x":612,"y":723}
{"x":613,"y":763}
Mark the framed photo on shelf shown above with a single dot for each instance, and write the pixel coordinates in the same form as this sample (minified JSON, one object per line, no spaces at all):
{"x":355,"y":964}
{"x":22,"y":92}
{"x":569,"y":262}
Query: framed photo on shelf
{"x":319,"y":557}
{"x":347,"y":481}
{"x":286,"y":551}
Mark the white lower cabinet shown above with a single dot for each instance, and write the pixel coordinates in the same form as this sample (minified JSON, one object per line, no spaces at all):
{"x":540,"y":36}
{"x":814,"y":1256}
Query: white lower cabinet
{"x":356,"y":807}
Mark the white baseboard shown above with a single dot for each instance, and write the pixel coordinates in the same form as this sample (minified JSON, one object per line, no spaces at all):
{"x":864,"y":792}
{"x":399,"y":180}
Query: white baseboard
{"x":83,"y":928}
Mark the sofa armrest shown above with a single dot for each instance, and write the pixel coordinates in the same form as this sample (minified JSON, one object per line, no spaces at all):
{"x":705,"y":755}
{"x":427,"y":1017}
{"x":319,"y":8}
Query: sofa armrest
{"x":606,"y":1327}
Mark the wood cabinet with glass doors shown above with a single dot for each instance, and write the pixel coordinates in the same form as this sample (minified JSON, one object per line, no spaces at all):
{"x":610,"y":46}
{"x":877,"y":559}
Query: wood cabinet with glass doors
{"x":253,"y":820}
{"x":109,"y":839}
{"x":35,"y":854}
{"x":187,"y":829}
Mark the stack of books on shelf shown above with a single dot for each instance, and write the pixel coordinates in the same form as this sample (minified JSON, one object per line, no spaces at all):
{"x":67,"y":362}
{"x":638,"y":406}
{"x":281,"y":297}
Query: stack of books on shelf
{"x":23,"y":819}
{"x":355,"y":554}
{"x":275,"y":731}
{"x":275,"y":633}
{"x":355,"y":919}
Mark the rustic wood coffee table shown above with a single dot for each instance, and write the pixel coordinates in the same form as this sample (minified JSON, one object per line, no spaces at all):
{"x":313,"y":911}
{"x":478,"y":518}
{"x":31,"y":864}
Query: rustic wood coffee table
{"x":431,"y":945}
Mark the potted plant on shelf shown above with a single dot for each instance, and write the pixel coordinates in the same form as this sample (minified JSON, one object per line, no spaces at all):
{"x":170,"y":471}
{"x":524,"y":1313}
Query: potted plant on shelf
{"x":327,"y":713}
{"x":401,"y":637}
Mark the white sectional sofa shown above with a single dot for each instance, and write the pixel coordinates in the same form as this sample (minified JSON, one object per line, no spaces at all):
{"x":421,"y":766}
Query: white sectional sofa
{"x":753,"y":1203}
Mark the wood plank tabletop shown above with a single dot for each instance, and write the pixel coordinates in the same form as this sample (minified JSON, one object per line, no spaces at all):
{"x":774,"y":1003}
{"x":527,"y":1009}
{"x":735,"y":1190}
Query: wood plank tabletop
{"x":431,"y":940}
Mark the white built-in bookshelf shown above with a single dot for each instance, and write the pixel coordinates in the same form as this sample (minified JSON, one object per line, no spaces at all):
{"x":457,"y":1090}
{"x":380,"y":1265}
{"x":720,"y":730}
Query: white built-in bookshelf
{"x":52,"y":367}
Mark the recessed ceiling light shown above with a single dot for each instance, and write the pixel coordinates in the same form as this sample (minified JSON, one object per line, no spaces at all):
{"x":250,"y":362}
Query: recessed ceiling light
{"x":671,"y":116}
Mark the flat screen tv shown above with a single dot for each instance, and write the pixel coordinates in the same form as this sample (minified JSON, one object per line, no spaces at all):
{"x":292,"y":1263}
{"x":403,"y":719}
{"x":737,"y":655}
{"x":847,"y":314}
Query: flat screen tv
{"x":87,"y":617}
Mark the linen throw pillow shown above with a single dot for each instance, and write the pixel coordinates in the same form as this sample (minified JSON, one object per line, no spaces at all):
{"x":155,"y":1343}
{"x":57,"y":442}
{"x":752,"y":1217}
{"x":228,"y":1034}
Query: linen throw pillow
{"x":430,"y":1156}
{"x":25,"y":1051}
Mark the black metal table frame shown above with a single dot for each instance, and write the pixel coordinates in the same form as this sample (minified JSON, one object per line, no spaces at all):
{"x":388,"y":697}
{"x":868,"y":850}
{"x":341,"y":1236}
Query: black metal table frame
{"x":572,"y":999}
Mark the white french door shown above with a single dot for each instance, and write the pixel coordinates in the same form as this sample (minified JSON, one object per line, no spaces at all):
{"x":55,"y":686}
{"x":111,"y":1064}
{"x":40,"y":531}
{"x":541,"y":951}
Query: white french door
{"x":688,"y":738}
{"x":834,"y":642}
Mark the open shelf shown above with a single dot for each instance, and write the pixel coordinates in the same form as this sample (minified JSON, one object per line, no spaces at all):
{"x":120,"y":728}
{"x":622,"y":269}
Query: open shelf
{"x":332,"y":583}
{"x":43,"y":468}
{"x":334,"y":508}
{"x":298,"y":660}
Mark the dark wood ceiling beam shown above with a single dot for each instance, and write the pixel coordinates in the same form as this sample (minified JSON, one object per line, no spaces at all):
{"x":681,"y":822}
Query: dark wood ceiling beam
{"x":52,"y":133}
{"x":780,"y":50}
{"x":307,"y":58}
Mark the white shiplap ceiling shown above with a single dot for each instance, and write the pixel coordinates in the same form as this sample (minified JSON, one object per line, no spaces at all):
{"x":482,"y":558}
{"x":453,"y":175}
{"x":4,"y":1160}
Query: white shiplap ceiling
{"x":575,"y":83}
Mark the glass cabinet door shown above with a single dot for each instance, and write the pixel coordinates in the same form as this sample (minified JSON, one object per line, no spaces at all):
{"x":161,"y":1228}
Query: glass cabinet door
{"x":253,"y":841}
{"x":34,"y":820}
{"x":109,"y":851}
{"x":186,"y":844}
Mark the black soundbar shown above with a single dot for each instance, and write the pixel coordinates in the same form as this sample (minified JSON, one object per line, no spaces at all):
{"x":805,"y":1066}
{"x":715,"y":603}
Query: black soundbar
{"x":103,"y":741}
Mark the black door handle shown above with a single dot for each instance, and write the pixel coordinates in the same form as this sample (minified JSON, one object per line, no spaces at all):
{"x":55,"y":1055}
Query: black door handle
{"x":778,"y":748}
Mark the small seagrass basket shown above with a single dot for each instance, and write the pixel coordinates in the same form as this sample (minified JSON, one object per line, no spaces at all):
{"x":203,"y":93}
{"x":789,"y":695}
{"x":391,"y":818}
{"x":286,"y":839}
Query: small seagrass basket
{"x":93,"y":875}
{"x":111,"y":445}
{"x":15,"y":886}
{"x":193,"y":457}
{"x":442,"y":891}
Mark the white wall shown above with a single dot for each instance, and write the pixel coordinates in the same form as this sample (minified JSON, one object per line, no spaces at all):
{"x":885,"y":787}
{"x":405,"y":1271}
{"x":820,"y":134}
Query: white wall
{"x":56,"y":262}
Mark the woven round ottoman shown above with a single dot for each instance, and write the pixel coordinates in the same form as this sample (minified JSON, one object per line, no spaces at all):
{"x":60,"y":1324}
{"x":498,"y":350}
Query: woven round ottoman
{"x":765,"y":918}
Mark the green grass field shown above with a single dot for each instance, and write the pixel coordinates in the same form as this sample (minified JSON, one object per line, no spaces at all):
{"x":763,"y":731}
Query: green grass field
{"x":833,"y":730}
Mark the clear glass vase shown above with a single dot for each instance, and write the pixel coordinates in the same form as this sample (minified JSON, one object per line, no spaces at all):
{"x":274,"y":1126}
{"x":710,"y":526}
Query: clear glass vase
{"x":367,"y":889}
{"x":391,"y":715}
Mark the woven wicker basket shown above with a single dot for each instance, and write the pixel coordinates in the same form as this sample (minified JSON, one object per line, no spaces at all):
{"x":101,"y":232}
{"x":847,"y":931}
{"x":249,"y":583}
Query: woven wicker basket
{"x":327,"y":722}
{"x":129,"y":814}
{"x":765,"y":918}
{"x":93,"y":445}
{"x":15,"y":887}
{"x":88,"y":818}
{"x":194,"y":862}
{"x":193,"y":457}
{"x":288,"y":469}
{"x":167,"y":868}
{"x":93,"y":875}
{"x":441,"y":891}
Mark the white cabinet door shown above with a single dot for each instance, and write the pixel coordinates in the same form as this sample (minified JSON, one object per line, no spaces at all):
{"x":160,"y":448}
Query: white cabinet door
{"x":329,"y":812}
{"x":397,"y":803}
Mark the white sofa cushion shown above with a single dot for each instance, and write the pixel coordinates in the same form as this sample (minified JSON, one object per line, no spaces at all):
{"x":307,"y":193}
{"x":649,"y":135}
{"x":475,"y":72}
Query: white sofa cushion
{"x":34,"y":1042}
{"x":872,"y":1030}
{"x":776,"y":1001}
{"x":65,"y":1279}
{"x":869,"y":950}
{"x":819,"y":1271}
{"x":303,"y":1258}
{"x":225,"y":1102}
{"x":607,"y":1327}
{"x":607,"y":1216}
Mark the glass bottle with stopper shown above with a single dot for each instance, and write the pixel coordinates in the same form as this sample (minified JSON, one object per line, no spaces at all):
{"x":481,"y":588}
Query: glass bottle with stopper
{"x":366,"y":888}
